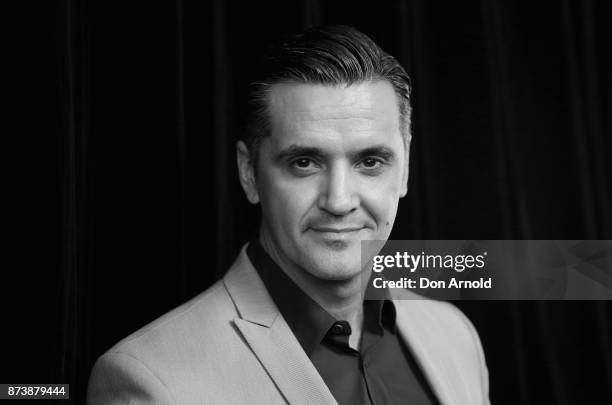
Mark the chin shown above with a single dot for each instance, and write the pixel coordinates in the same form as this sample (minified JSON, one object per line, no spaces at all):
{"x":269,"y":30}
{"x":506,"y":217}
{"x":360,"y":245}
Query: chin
{"x":335,"y":267}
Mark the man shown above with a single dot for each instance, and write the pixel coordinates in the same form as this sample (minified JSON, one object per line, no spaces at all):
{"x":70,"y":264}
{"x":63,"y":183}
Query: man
{"x":326,"y":157}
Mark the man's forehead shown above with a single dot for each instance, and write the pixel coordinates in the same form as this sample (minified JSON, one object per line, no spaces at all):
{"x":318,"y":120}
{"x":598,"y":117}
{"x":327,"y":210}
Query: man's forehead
{"x":334,"y":119}
{"x":370,"y":100}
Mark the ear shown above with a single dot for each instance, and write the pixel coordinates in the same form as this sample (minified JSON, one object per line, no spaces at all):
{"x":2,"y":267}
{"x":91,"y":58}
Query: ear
{"x":405,"y":173}
{"x":246,"y":172}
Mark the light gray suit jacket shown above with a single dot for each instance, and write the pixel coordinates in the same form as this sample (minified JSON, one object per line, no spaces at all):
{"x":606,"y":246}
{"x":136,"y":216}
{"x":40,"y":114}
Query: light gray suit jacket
{"x":230,"y":345}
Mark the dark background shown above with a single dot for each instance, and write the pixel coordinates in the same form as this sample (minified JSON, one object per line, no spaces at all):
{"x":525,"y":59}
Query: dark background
{"x":132,"y":205}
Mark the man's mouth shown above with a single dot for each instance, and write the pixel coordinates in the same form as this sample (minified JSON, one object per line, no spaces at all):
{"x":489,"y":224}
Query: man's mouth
{"x":337,"y":236}
{"x":335,"y":229}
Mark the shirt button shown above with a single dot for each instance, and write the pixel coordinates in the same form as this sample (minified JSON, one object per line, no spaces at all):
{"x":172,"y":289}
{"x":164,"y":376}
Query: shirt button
{"x":341,"y":328}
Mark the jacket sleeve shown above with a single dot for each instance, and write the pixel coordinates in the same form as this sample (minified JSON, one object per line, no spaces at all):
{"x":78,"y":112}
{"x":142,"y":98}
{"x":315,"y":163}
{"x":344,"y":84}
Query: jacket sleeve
{"x":119,"y":378}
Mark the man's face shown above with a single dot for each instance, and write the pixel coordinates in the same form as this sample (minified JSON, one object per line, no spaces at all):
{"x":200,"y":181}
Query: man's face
{"x":329,"y":175}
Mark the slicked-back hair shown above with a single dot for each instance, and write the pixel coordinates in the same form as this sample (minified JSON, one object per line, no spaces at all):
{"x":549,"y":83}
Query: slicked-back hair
{"x":328,"y":55}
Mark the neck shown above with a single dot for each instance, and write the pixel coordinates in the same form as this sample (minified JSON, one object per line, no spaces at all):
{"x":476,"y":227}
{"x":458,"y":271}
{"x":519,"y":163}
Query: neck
{"x":343,"y":299}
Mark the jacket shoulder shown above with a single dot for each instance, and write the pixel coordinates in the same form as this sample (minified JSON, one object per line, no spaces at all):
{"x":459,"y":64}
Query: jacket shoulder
{"x":440,"y":318}
{"x":193,"y":354}
{"x":161,"y":360}
{"x":203,"y":315}
{"x":445,"y":330}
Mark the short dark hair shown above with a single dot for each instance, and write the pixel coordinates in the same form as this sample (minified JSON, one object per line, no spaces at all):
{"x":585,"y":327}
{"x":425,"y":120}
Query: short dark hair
{"x":330,"y":55}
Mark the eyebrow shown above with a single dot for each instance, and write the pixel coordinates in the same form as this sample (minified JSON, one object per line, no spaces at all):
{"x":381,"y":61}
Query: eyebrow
{"x":295,"y":151}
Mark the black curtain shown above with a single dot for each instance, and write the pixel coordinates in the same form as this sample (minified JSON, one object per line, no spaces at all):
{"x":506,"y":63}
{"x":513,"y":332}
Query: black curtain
{"x":134,"y":205}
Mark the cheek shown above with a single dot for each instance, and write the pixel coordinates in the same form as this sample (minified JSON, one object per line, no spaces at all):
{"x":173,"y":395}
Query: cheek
{"x":382,"y":206}
{"x":381,"y":198}
{"x":287,"y":201}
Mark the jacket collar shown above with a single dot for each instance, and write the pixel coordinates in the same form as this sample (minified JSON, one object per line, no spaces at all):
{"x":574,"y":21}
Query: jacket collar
{"x":271,"y":339}
{"x":249,"y":293}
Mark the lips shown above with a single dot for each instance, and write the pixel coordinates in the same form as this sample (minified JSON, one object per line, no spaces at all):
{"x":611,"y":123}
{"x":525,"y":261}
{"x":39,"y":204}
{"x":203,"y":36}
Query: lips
{"x":336,"y":234}
{"x":336,"y":237}
{"x":335,"y":229}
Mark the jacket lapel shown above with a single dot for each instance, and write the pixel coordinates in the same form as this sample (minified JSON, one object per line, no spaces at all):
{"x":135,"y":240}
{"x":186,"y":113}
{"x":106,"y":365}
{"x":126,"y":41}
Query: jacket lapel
{"x":271,"y":339}
{"x":428,"y":343}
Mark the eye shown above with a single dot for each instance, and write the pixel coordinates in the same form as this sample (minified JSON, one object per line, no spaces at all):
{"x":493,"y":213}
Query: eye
{"x":303,"y":166}
{"x":302,"y":163}
{"x":371,"y":163}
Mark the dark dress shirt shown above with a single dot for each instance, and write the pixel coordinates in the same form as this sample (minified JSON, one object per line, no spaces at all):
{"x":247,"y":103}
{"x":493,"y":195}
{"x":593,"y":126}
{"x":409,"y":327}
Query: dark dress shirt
{"x":382,"y":371}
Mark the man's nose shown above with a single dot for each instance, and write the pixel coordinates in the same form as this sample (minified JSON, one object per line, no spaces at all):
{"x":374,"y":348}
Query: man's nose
{"x":338,"y":196}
